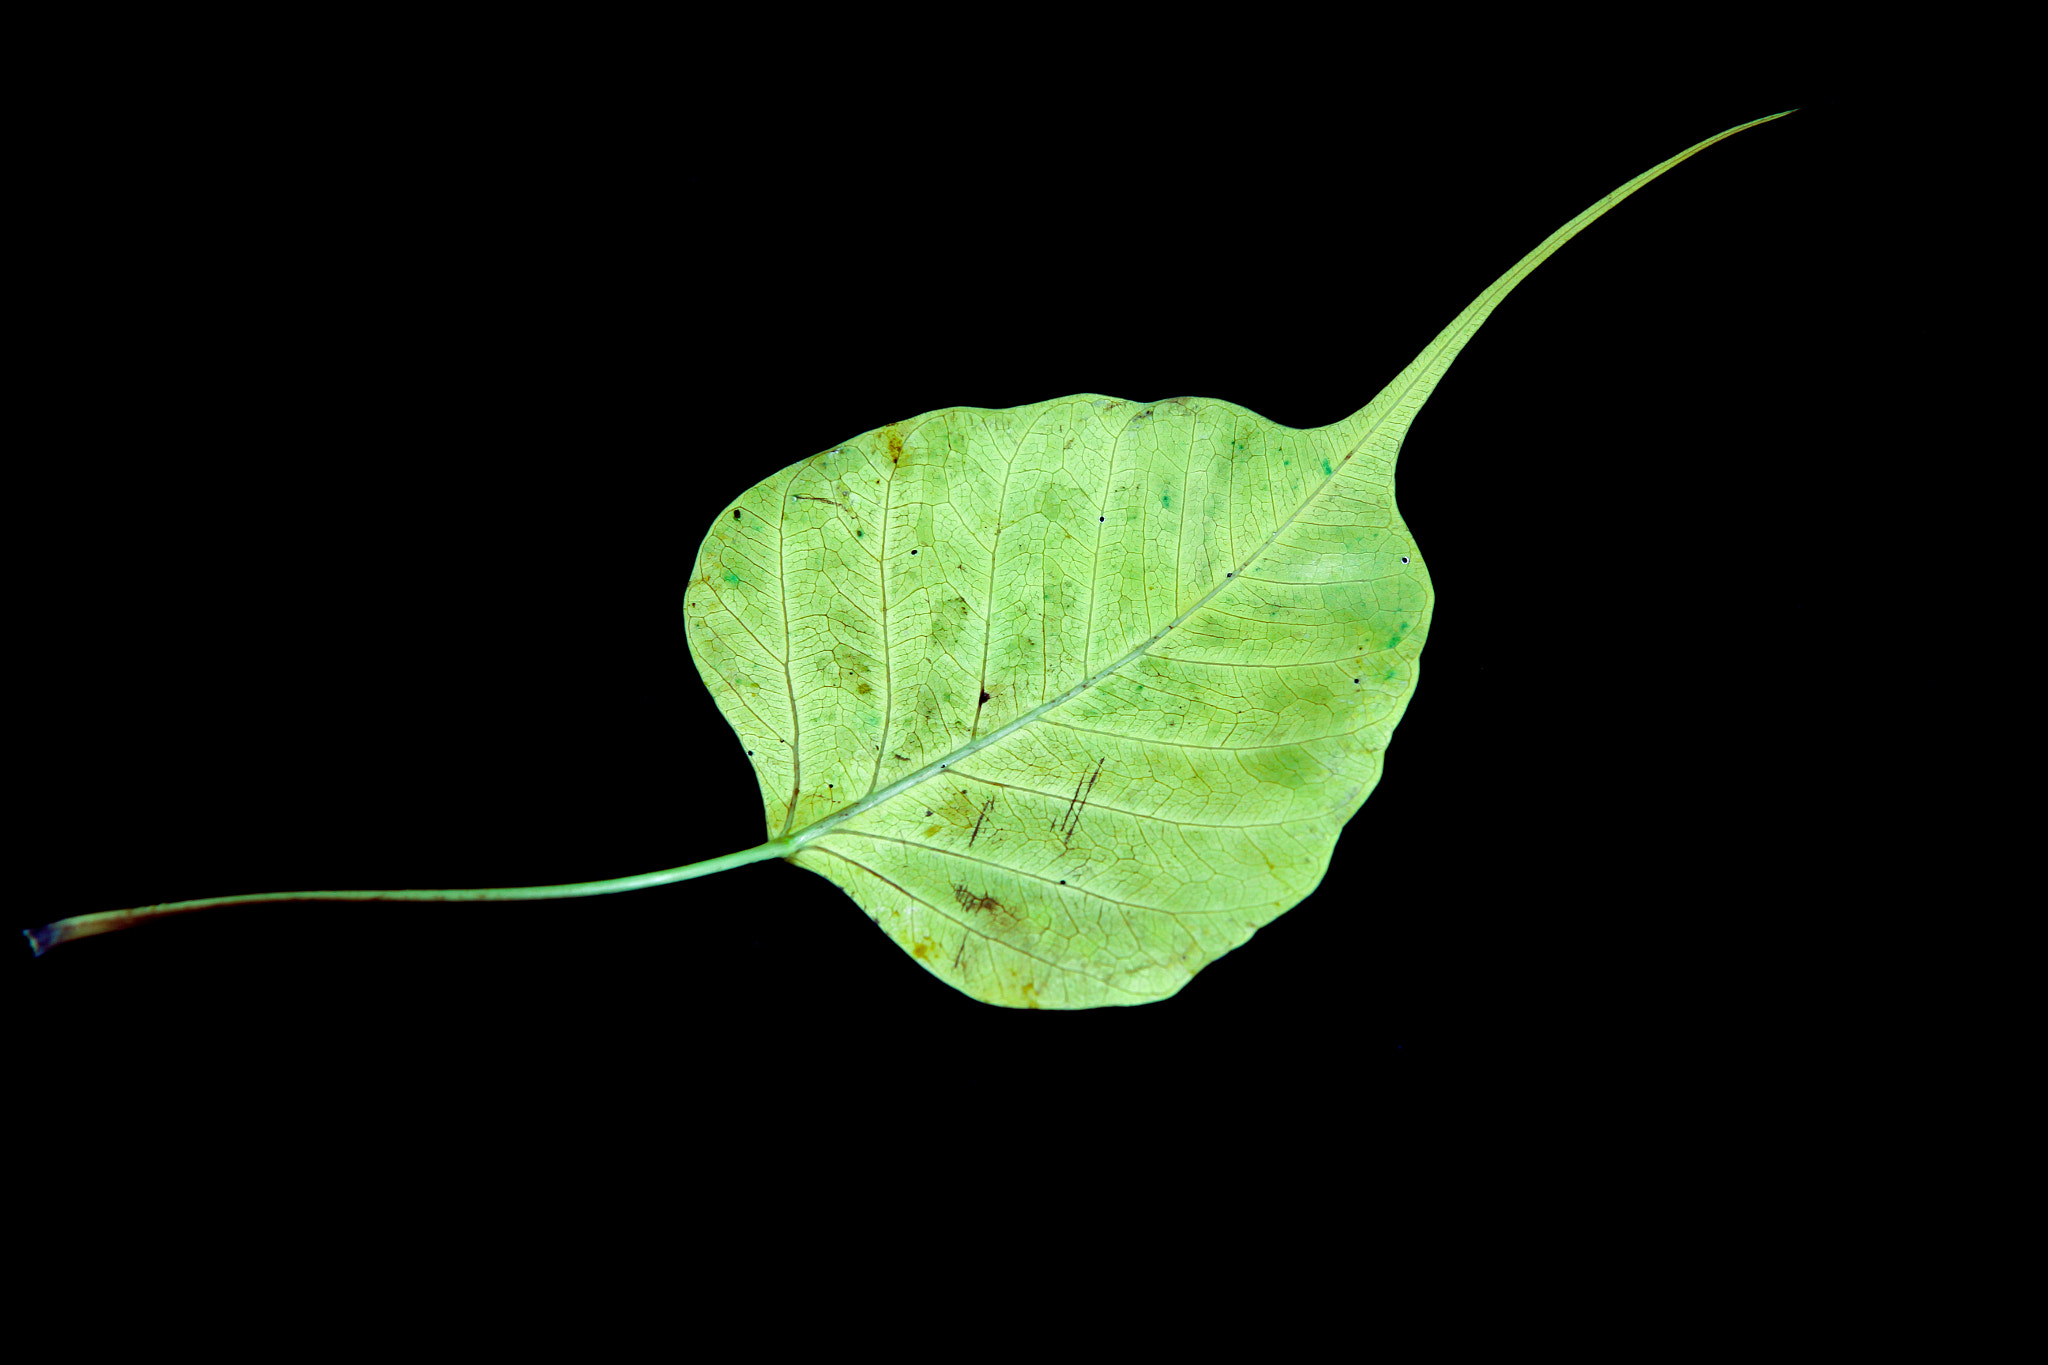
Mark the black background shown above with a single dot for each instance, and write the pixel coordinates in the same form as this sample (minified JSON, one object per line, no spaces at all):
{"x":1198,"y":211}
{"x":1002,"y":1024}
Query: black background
{"x":391,"y":436}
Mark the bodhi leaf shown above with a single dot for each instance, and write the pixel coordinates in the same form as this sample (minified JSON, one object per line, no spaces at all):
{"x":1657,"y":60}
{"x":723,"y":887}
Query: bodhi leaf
{"x":1072,"y":698}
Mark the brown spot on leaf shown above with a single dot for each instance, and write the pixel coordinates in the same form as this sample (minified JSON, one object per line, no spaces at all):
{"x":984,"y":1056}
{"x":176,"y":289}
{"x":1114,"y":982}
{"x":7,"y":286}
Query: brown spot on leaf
{"x":985,"y":905}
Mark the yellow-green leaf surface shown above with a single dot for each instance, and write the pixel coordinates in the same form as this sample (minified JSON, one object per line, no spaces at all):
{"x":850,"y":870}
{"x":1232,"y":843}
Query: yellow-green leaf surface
{"x":1072,"y":698}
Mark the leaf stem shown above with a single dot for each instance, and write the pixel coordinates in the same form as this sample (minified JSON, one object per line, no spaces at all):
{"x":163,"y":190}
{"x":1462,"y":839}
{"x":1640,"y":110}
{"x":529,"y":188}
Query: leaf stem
{"x":43,"y":939}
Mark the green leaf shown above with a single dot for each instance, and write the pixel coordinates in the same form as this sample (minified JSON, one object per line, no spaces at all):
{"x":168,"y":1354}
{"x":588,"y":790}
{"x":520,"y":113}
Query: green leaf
{"x":1072,"y":698}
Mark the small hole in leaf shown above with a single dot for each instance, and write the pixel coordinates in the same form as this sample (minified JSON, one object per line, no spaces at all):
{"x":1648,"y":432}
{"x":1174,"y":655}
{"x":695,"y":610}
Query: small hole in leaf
{"x":1063,"y":881}
{"x":1230,"y":575}
{"x":735,"y":514}
{"x":1102,"y":518}
{"x":984,"y":699}
{"x":1404,"y":559}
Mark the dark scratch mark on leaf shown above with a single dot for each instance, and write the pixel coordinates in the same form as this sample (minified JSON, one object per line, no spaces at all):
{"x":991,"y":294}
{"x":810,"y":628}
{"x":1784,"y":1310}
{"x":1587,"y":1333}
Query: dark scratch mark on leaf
{"x":1071,"y":821}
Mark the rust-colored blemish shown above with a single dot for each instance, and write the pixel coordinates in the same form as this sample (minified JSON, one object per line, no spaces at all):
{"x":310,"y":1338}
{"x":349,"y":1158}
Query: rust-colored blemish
{"x":986,"y":905}
{"x":986,"y":808}
{"x":894,"y":437}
